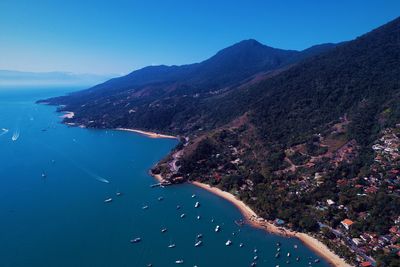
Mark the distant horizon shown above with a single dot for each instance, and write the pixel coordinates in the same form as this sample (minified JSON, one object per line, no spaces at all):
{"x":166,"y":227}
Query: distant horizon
{"x":99,"y":38}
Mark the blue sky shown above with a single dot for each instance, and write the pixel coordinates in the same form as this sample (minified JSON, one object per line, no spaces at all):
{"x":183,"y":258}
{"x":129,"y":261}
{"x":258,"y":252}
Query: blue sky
{"x":118,"y":36}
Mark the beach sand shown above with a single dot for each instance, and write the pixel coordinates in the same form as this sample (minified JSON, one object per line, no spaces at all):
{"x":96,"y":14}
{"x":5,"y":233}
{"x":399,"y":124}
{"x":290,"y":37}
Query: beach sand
{"x":314,"y":244}
{"x":148,"y":134}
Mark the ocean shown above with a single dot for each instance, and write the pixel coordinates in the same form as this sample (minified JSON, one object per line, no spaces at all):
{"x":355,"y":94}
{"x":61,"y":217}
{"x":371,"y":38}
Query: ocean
{"x":54,"y":180}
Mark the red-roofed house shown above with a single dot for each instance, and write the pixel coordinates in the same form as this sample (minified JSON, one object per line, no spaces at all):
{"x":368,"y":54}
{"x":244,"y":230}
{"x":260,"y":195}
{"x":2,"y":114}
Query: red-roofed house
{"x":347,"y":223}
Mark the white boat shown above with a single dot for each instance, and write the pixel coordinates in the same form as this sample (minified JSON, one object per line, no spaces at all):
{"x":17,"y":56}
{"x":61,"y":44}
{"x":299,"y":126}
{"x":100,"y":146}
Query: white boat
{"x":255,"y":257}
{"x":228,"y":243}
{"x":255,"y":250}
{"x":163,"y":230}
{"x":179,"y":261}
{"x":198,"y":243}
{"x":178,"y":207}
{"x":241,"y":245}
{"x":295,"y":246}
{"x":118,"y":194}
{"x":15,"y":136}
{"x":193,"y":196}
{"x":199,"y":236}
{"x":171,"y":245}
{"x":108,"y":200}
{"x":197,"y":204}
{"x":198,"y":217}
{"x":43,"y":175}
{"x":288,"y":254}
{"x":136,"y":240}
{"x":160,"y":198}
{"x":183,"y":215}
{"x":145,"y":207}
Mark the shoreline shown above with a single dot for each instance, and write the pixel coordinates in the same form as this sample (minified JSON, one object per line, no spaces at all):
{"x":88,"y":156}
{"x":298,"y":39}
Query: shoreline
{"x":67,"y":115}
{"x":148,"y":134}
{"x":251,"y":217}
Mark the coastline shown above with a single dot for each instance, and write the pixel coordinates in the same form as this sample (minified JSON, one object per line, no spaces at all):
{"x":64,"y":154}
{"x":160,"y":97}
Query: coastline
{"x":148,"y":134}
{"x":68,"y":115}
{"x":255,"y":221}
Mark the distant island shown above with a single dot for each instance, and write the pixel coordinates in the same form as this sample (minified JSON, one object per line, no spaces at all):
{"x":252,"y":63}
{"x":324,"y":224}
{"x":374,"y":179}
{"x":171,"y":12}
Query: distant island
{"x":309,"y":140}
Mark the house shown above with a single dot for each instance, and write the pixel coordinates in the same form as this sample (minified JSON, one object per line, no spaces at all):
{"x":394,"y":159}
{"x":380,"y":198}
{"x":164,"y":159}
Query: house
{"x":366,"y":264}
{"x":279,"y":222}
{"x":330,"y":202}
{"x":347,"y":223}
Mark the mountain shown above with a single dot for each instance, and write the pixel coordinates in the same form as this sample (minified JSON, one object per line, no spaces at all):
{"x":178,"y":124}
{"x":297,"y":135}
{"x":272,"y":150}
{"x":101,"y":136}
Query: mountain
{"x":309,"y":137}
{"x":20,"y":78}
{"x":153,"y":97}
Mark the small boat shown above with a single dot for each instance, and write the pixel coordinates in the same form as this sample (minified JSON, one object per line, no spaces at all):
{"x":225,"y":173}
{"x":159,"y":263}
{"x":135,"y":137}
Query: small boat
{"x":217,"y":228}
{"x":278,"y":244}
{"x":179,"y":261}
{"x":253,"y":264}
{"x":295,"y":246}
{"x":255,"y":250}
{"x":197,"y":204}
{"x":255,"y":257}
{"x":288,"y":254}
{"x":183,"y":215}
{"x":278,"y":249}
{"x":108,"y":200}
{"x":136,"y":240}
{"x":316,"y":260}
{"x":149,"y":265}
{"x":198,"y":243}
{"x":212,"y":220}
{"x":198,"y":217}
{"x":288,"y":261}
{"x":163,"y":230}
{"x":194,"y":195}
{"x":228,"y":243}
{"x":240,"y":245}
{"x":171,"y":245}
{"x":178,"y":207}
{"x":118,"y":194}
{"x":277,"y":255}
{"x":43,"y":175}
{"x":160,"y":198}
{"x":297,"y":258}
{"x":199,"y":236}
{"x":145,"y":207}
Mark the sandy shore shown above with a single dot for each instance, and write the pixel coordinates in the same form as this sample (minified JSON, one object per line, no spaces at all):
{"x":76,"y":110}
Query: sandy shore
{"x":148,"y":134}
{"x":68,"y":115}
{"x":317,"y":246}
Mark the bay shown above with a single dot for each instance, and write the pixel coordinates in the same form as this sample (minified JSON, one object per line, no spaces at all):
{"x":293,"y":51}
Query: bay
{"x":61,"y":219}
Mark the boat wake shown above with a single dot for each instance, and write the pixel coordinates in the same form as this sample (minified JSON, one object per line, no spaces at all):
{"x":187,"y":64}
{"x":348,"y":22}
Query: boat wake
{"x":4,"y":131}
{"x":101,"y":179}
{"x":15,"y":136}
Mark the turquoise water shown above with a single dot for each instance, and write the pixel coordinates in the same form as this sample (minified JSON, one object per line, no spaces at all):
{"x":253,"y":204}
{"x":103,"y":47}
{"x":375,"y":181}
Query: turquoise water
{"x":62,"y":220}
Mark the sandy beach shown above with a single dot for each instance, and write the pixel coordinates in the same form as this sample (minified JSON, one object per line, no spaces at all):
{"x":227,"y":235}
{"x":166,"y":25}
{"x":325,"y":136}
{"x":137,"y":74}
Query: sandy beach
{"x":68,"y":115}
{"x":320,"y":248}
{"x":148,"y":134}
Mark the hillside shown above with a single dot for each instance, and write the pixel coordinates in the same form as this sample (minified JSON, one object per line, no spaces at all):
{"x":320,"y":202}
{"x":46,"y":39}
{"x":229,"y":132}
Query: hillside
{"x":310,"y":137}
{"x":166,"y":98}
{"x":324,"y":131}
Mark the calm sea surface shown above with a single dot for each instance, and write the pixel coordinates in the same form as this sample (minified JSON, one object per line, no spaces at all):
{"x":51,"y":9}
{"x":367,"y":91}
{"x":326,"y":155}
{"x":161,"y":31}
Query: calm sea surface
{"x":61,"y":219}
